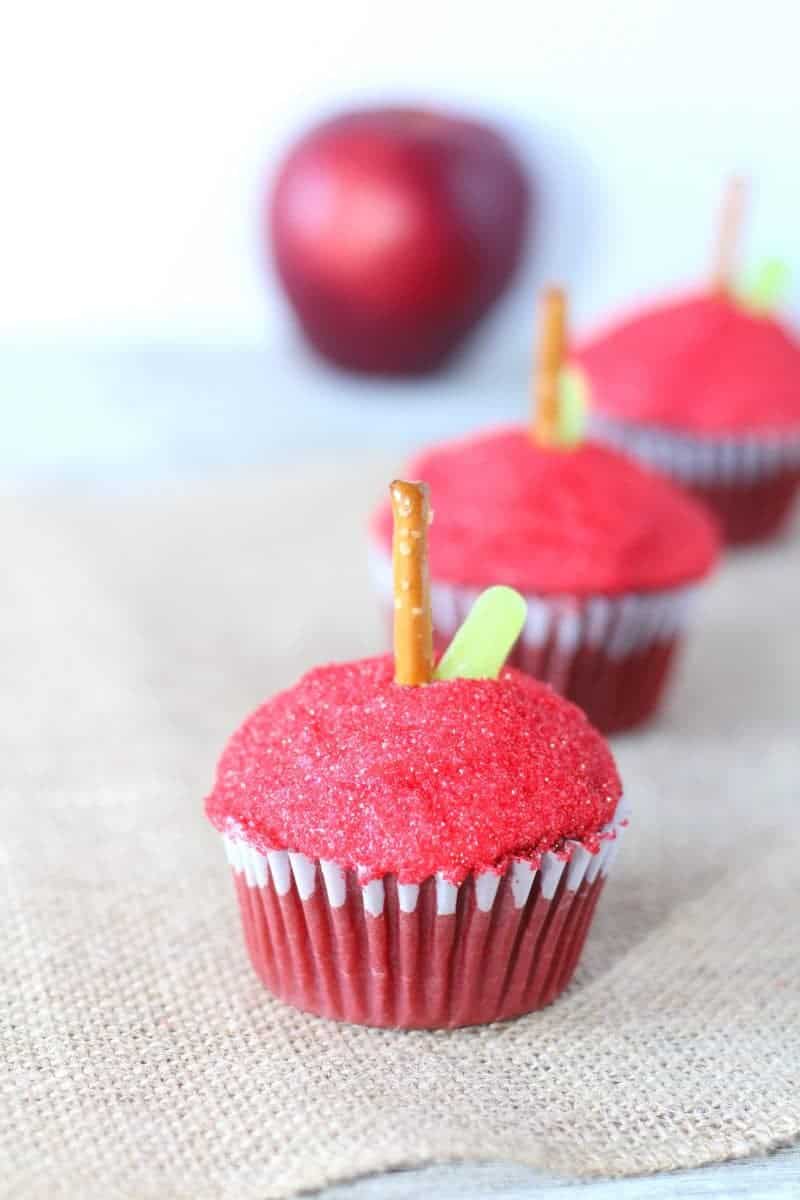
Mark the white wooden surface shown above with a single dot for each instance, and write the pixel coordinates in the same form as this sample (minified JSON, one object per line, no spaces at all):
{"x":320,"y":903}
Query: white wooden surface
{"x":120,"y":418}
{"x":777,"y":1178}
{"x":110,"y":418}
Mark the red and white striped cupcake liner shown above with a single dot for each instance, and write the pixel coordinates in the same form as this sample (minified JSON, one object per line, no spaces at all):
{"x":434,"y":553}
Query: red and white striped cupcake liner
{"x":748,"y":482}
{"x":434,"y":955}
{"x":610,"y":655}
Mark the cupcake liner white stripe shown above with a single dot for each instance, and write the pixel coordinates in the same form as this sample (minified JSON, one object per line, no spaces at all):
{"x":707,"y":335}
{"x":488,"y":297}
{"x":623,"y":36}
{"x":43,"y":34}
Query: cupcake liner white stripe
{"x":699,"y":460}
{"x":486,"y":886}
{"x":522,"y":877}
{"x":578,"y":865}
{"x":305,"y":875}
{"x":550,"y":873}
{"x":447,"y":895}
{"x":279,"y":869}
{"x":407,"y":894}
{"x":623,"y":624}
{"x":335,"y":882}
{"x":283,"y":869}
{"x":374,"y":897}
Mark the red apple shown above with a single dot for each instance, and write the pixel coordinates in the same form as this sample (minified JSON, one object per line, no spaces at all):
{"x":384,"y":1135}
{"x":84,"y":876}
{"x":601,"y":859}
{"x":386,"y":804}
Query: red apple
{"x":394,"y":232}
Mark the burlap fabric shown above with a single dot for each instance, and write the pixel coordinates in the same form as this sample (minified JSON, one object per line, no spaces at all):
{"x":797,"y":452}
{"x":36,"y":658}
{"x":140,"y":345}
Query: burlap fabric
{"x":141,"y":1056}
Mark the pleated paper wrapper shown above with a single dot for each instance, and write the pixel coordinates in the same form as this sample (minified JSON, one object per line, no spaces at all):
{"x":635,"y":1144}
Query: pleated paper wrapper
{"x":748,"y":482}
{"x":429,"y":955}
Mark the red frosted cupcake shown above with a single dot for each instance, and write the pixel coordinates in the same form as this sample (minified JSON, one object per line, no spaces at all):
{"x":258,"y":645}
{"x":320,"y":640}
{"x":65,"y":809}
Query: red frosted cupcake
{"x":607,"y":554}
{"x":706,"y":388}
{"x":424,"y":853}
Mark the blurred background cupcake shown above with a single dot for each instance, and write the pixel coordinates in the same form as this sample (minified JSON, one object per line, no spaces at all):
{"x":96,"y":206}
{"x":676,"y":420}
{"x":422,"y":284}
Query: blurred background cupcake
{"x":706,"y":387}
{"x":607,"y":553}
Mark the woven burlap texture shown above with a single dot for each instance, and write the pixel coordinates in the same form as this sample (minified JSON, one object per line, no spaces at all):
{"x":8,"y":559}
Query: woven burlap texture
{"x":142,"y":1058}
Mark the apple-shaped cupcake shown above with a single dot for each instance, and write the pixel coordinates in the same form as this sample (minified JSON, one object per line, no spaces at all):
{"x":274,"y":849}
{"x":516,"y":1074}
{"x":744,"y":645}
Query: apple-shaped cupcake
{"x":705,"y":387}
{"x":607,"y":553}
{"x":394,"y":231}
{"x":419,"y":847}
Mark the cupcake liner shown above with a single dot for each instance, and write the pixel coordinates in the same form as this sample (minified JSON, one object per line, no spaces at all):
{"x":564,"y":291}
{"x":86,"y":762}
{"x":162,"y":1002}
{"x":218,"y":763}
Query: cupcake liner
{"x":610,"y":655}
{"x":425,"y":956}
{"x":748,"y":482}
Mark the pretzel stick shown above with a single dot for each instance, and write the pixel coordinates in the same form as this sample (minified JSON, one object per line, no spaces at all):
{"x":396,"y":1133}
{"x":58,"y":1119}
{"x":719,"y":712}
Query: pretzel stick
{"x":729,"y":233}
{"x":413,"y":626}
{"x":551,"y":349}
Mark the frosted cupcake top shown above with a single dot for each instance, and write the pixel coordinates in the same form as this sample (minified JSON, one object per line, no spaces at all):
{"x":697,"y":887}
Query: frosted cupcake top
{"x":703,"y":364}
{"x":582,"y":521}
{"x":457,"y":776}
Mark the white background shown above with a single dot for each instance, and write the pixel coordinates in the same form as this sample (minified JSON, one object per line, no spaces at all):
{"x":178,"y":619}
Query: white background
{"x":136,"y":138}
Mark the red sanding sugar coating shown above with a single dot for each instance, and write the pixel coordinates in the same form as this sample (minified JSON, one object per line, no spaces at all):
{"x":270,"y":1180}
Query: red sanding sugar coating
{"x":583,"y":521}
{"x":703,"y":364}
{"x":455,"y":776}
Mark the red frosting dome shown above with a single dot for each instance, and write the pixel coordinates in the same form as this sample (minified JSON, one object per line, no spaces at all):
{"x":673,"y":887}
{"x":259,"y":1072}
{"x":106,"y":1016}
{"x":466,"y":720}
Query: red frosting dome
{"x":582,"y":521}
{"x":456,"y":776}
{"x":703,"y":364}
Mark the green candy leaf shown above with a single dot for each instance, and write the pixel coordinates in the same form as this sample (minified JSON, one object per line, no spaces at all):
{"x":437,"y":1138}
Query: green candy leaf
{"x":766,"y":287}
{"x":483,"y":642}
{"x":573,"y":406}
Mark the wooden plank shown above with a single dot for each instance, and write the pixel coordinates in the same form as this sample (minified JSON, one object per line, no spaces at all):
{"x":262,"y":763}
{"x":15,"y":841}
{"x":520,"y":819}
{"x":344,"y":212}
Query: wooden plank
{"x":774,"y":1178}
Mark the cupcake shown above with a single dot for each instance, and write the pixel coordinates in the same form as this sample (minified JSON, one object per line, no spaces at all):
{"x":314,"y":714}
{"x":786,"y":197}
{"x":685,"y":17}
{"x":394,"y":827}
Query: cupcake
{"x":705,"y":387}
{"x":607,"y":554}
{"x":416,"y":847}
